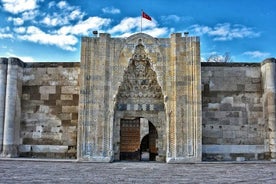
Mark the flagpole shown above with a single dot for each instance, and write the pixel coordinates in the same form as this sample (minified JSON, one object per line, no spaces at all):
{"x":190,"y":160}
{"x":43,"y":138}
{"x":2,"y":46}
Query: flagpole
{"x":141,"y":19}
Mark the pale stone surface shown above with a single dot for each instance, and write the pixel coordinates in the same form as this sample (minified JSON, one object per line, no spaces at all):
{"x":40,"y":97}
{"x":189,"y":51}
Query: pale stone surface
{"x":143,"y":78}
{"x":159,"y":80}
{"x":50,"y":109}
{"x":269,"y":85}
{"x":232,"y":110}
{"x":3,"y":81}
{"x":12,"y":108}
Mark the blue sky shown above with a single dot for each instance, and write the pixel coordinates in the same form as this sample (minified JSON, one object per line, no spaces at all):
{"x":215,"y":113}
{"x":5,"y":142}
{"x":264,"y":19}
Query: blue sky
{"x":51,"y":31}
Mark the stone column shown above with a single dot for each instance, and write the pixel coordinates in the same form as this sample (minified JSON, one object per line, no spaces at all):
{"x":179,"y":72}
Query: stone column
{"x":269,"y":102}
{"x":3,"y":80}
{"x":12,"y":108}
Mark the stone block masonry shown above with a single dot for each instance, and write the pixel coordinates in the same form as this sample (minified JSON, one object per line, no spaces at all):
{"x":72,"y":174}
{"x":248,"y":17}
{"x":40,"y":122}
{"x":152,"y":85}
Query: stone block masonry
{"x":50,"y":110}
{"x":238,"y":110}
{"x":191,"y":111}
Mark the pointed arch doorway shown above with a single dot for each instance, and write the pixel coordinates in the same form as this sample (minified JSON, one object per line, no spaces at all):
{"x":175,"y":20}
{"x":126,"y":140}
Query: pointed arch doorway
{"x":138,"y":140}
{"x":139,"y":95}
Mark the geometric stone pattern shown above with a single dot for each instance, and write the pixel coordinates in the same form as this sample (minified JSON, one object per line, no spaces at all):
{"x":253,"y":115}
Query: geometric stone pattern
{"x":139,"y":80}
{"x":50,"y":97}
{"x":140,"y":107}
{"x":140,"y":85}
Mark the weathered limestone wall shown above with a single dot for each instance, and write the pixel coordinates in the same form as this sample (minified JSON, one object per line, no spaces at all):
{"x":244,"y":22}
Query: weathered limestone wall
{"x":232,"y":119}
{"x":50,"y":97}
{"x":184,"y":99}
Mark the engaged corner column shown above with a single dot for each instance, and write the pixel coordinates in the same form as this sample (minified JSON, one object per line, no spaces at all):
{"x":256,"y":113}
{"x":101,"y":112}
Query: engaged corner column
{"x":12,"y":108}
{"x":269,"y":85}
{"x":3,"y":82}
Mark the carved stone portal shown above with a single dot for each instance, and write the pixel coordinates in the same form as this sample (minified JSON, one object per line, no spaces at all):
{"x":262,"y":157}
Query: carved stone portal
{"x":123,"y":79}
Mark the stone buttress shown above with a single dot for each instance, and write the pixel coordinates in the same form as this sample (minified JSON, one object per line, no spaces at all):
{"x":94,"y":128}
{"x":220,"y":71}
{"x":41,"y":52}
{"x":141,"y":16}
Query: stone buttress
{"x":268,"y":70}
{"x":11,"y":71}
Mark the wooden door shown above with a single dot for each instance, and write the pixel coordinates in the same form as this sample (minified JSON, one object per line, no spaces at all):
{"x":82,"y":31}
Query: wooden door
{"x":130,"y":139}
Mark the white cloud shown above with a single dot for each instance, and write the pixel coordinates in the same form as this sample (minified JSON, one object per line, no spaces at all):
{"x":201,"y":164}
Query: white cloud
{"x":5,"y":33}
{"x":36,"y":35}
{"x":111,"y":10}
{"x":20,"y":30}
{"x":85,"y":27}
{"x":225,"y":31}
{"x":157,"y":32}
{"x":61,"y":14}
{"x":257,"y":54}
{"x":174,"y":18}
{"x":126,"y":25}
{"x":54,"y":20}
{"x":51,"y":4}
{"x":62,"y":4}
{"x":30,"y":15}
{"x":19,"y":6}
{"x":132,"y":24}
{"x":16,"y":21}
{"x":76,"y":14}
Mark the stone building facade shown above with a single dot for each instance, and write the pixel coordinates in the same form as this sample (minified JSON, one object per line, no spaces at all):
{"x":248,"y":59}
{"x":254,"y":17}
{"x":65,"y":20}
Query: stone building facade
{"x":138,"y":98}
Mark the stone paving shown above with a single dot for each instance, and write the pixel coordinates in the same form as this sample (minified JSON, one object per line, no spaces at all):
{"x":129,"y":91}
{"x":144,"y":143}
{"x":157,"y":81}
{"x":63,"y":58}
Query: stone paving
{"x":22,"y":171}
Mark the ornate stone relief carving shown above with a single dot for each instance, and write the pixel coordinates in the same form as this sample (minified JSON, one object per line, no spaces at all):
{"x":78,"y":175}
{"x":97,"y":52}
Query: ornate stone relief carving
{"x":139,"y":84}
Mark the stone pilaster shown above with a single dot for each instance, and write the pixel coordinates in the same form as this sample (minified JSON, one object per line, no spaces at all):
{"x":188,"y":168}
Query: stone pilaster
{"x":3,"y":81}
{"x":94,"y":125}
{"x":12,"y":108}
{"x":269,"y":102}
{"x":171,"y":79}
{"x":185,"y":100}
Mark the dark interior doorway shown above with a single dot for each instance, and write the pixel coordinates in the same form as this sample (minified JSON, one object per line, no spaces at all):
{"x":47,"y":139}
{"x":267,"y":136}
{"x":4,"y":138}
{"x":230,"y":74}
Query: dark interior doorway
{"x":148,"y":145}
{"x":131,"y":148}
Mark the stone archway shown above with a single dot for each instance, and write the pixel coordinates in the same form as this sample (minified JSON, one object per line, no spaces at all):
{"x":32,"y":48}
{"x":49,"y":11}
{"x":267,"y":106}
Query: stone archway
{"x":148,"y":147}
{"x":139,"y":95}
{"x":140,"y":76}
{"x":138,"y":140}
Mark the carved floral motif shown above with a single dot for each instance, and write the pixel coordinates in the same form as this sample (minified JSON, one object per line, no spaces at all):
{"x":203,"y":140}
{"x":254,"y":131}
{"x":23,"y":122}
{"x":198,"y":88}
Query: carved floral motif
{"x":139,"y":79}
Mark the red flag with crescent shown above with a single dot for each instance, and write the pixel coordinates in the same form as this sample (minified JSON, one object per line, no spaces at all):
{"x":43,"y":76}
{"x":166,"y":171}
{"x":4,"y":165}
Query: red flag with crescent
{"x":146,"y":16}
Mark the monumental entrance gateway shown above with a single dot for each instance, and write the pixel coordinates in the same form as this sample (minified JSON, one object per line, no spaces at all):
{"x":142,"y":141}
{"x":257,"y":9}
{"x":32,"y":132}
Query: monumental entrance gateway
{"x":138,"y":98}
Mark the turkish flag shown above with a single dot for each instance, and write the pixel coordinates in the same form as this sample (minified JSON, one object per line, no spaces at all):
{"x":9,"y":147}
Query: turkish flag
{"x":146,"y":16}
